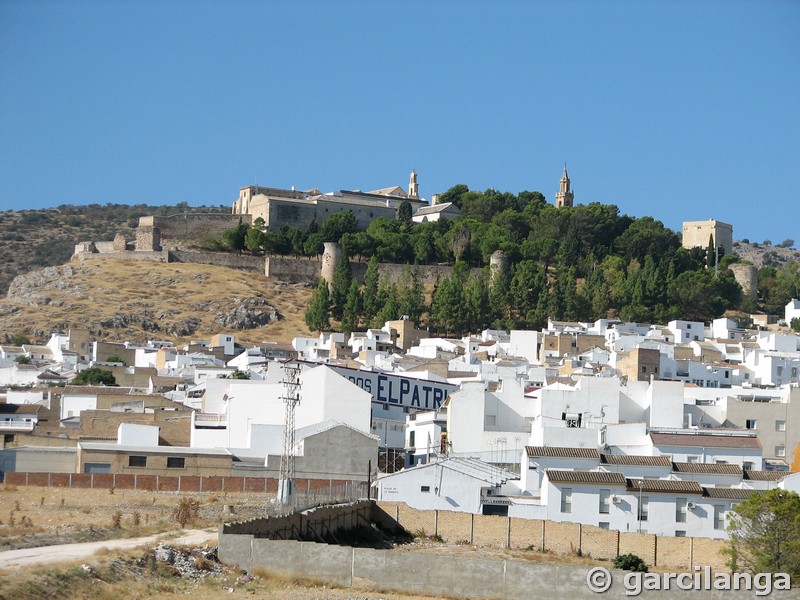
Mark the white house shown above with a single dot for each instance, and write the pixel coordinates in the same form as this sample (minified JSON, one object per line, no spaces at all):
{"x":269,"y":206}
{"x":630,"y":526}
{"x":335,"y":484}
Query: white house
{"x":792,"y":311}
{"x":456,"y":484}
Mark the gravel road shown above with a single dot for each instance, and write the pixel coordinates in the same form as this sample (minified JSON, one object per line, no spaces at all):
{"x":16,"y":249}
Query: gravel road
{"x":71,"y":552}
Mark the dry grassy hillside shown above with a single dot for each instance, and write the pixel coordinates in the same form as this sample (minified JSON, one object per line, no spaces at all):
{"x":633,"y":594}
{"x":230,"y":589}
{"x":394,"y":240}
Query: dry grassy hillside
{"x":118,"y":300}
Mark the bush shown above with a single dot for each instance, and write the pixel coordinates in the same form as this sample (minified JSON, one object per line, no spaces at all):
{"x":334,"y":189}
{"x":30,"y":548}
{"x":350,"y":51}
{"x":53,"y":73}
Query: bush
{"x":186,"y":511}
{"x":630,"y":562}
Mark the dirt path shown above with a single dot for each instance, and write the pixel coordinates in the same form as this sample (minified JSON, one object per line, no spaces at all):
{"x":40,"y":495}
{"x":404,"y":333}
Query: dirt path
{"x":70,"y":552}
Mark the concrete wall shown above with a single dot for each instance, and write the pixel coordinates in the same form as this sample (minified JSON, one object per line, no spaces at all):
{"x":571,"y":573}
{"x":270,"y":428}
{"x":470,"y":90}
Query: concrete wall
{"x":435,"y":575}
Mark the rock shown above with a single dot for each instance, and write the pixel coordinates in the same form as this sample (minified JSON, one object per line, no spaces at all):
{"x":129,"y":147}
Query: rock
{"x":250,"y":314}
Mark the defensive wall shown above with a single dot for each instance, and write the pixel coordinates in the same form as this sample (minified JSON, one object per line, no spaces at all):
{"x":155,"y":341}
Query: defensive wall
{"x":193,"y":226}
{"x":271,"y":544}
{"x":284,"y":268}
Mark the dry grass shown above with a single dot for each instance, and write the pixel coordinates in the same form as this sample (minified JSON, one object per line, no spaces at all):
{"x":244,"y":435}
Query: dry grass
{"x":80,"y":515}
{"x":164,"y":293}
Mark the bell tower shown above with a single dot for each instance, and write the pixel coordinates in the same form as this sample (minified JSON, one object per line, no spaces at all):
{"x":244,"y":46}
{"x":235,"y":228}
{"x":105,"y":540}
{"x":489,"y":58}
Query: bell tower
{"x":564,"y":196}
{"x":413,"y":186}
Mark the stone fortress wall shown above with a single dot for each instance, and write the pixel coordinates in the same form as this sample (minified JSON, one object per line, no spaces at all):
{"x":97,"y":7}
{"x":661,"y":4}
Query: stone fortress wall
{"x":147,"y":247}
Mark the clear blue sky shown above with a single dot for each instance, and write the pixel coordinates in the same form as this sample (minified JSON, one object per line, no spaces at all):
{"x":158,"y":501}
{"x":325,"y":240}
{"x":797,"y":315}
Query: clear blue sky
{"x":683,"y":110}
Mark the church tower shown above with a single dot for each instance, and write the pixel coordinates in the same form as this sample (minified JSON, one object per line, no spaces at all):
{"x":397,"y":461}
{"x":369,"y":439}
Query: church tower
{"x":413,"y":186}
{"x":564,"y":196}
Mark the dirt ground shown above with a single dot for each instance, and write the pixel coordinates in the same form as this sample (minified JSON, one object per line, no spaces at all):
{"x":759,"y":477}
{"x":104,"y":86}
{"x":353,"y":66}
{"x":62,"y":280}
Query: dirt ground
{"x":39,"y":516}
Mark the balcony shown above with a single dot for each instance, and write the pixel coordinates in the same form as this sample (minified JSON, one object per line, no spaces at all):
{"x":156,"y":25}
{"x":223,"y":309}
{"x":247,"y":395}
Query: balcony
{"x":210,"y":421}
{"x":17,"y":426}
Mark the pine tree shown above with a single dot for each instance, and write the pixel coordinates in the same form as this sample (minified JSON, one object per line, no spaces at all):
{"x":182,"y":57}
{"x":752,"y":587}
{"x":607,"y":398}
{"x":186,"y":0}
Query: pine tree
{"x":316,"y":316}
{"x":412,"y":295}
{"x":352,"y":307}
{"x":371,"y":301}
{"x":391,"y":305}
{"x":342,"y":276}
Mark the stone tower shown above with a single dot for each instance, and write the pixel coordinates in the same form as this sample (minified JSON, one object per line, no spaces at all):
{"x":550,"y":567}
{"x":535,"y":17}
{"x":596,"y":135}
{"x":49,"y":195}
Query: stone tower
{"x":564,"y":196}
{"x":413,"y":186}
{"x":330,"y":257}
{"x":747,"y":277}
{"x":498,"y":263}
{"x":148,"y":239}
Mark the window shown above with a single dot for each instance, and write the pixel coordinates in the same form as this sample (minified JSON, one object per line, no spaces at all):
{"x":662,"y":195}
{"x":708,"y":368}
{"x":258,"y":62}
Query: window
{"x":605,"y":501}
{"x":385,"y":407}
{"x":779,"y":371}
{"x":693,"y":459}
{"x":176,"y":462}
{"x":780,"y":450}
{"x":425,"y":488}
{"x":644,"y":508}
{"x":680,"y":533}
{"x":780,"y":425}
{"x":719,"y":517}
{"x":747,"y":466}
{"x":680,"y":510}
{"x":137,"y":461}
{"x":566,"y":500}
{"x":411,"y":438}
{"x":750,"y":424}
{"x":603,"y":525}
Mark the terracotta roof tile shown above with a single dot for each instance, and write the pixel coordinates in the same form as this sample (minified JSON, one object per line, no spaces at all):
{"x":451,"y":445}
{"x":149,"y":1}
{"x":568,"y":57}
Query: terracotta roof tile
{"x":705,"y":440}
{"x":559,"y":452}
{"x":711,"y":468}
{"x":591,"y":477}
{"x":636,"y":460}
{"x":664,"y":485}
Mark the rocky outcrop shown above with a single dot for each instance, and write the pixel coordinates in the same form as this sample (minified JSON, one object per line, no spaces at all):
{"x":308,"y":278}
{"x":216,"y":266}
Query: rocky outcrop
{"x":250,"y":314}
{"x":30,"y":288}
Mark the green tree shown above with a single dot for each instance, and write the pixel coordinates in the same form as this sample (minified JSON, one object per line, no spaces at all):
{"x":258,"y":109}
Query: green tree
{"x":342,"y":276}
{"x":412,"y":294}
{"x":338,"y":224}
{"x":352,"y":307}
{"x":405,"y":211}
{"x":237,"y":374}
{"x":390,"y":310}
{"x":372,"y":303}
{"x":234,"y":238}
{"x":314,"y":244}
{"x":317,"y":314}
{"x":20,"y":340}
{"x":22,"y":359}
{"x":115,"y":358}
{"x":765,"y":533}
{"x":94,"y":376}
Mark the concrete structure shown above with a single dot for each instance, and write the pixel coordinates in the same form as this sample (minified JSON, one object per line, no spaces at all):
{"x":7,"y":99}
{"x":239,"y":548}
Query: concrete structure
{"x":696,"y":234}
{"x":152,"y":460}
{"x":564,"y":195}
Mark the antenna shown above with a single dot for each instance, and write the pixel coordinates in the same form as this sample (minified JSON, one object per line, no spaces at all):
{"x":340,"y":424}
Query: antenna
{"x":291,"y":385}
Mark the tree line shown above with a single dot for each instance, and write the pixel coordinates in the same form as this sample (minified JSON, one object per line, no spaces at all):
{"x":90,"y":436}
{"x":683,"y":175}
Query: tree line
{"x":572,"y":263}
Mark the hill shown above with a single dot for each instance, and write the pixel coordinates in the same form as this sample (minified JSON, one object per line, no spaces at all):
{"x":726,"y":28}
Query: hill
{"x":119,"y":300}
{"x":31,"y":239}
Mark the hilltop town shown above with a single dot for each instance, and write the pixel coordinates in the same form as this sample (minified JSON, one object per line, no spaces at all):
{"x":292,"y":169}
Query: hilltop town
{"x":615,"y":423}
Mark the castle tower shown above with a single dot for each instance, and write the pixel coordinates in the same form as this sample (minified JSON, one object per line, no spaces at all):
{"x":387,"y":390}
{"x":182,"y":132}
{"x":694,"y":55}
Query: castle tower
{"x":413,"y":186}
{"x":564,"y":196}
{"x":498,"y":264}
{"x":330,"y":257}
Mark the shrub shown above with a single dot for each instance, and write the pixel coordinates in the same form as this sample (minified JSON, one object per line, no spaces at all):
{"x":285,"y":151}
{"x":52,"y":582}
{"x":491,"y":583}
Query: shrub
{"x":630,"y":562}
{"x":186,"y":511}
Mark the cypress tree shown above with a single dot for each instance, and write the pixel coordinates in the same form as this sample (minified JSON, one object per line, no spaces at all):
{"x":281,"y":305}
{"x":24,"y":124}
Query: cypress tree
{"x":316,"y":316}
{"x":342,"y":276}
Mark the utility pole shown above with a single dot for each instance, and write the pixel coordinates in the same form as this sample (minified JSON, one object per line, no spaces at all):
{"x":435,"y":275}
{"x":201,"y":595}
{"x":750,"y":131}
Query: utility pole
{"x":291,"y":398}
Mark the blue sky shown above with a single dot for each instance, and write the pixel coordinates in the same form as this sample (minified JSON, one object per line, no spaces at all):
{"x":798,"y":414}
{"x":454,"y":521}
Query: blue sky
{"x":683,"y":110}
